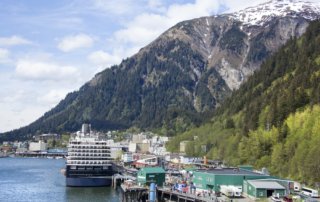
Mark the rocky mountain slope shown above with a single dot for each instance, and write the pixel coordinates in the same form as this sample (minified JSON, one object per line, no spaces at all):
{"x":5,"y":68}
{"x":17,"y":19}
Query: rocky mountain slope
{"x":272,"y":120}
{"x":185,"y":73}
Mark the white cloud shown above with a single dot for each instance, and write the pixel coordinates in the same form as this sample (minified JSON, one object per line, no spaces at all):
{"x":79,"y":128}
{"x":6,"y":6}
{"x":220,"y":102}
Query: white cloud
{"x":156,"y":5}
{"x":39,"y":70}
{"x":14,"y":41}
{"x":146,"y":26}
{"x":53,"y":96}
{"x":70,"y":43}
{"x":14,"y":119}
{"x":188,"y":11}
{"x":142,"y":30}
{"x":4,"y":55}
{"x":10,"y":98}
{"x":236,"y":5}
{"x":104,"y":59}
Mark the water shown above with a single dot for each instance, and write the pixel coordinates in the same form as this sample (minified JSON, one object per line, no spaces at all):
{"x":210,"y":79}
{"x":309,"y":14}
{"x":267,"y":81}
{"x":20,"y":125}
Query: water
{"x":40,"y":179}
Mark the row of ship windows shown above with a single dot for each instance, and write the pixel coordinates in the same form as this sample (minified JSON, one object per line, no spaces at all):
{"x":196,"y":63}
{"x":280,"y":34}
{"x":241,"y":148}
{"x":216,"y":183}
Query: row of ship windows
{"x":89,"y":162}
{"x":89,"y":157}
{"x":93,"y":160}
{"x":93,"y":155}
{"x":89,"y":147}
{"x":93,"y":143}
{"x":90,"y":150}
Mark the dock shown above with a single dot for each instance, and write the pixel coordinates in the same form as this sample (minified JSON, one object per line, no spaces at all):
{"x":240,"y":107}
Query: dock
{"x":133,"y":193}
{"x":121,"y":178}
{"x":41,"y":155}
{"x":166,"y":194}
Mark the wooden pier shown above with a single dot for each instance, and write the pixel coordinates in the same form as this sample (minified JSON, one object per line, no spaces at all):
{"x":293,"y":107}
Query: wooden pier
{"x":117,"y":177}
{"x":134,"y":193}
{"x":165,"y":194}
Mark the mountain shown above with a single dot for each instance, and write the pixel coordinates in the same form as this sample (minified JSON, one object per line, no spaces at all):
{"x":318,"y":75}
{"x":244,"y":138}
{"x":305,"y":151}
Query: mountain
{"x":176,"y":81}
{"x":273,"y":119}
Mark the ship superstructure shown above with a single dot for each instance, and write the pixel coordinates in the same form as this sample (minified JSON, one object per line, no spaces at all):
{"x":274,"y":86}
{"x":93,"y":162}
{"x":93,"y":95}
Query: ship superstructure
{"x":88,"y":162}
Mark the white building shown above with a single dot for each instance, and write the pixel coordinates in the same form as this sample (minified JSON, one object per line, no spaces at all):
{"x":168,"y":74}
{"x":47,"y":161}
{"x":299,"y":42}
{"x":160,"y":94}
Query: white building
{"x":116,"y":149}
{"x":139,"y":147}
{"x":183,"y":146}
{"x":21,"y":150}
{"x":37,"y":146}
{"x":138,"y":138}
{"x":127,"y":157}
{"x":132,"y":147}
{"x":187,"y":160}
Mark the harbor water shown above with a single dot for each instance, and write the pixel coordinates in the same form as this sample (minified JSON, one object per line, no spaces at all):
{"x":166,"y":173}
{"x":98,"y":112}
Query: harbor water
{"x":40,"y":179}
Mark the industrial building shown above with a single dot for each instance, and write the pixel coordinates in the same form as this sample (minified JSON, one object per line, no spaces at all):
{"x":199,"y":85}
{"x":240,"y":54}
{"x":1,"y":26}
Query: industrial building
{"x":151,"y":174}
{"x":37,"y":146}
{"x":214,"y":178}
{"x":263,"y":188}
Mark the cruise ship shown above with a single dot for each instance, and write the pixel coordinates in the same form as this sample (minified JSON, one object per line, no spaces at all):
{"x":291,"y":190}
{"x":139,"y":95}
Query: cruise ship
{"x":88,"y":162}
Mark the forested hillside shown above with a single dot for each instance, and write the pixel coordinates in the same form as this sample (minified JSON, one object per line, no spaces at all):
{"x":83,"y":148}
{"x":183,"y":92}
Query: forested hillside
{"x":273,"y":120}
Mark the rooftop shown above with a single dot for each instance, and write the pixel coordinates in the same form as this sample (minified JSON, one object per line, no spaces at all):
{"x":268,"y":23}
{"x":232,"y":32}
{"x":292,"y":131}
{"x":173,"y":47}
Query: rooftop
{"x":230,"y":171}
{"x":263,"y":184}
{"x":152,"y":170}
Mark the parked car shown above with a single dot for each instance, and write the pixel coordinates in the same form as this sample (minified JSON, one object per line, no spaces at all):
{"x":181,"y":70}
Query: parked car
{"x":275,"y":198}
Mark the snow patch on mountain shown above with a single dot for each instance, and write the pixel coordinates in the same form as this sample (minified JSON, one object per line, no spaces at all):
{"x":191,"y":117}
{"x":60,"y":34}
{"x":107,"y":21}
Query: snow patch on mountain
{"x":265,"y":12}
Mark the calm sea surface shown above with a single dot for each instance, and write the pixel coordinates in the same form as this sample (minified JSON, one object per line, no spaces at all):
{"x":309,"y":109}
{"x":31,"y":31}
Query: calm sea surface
{"x":39,"y":179}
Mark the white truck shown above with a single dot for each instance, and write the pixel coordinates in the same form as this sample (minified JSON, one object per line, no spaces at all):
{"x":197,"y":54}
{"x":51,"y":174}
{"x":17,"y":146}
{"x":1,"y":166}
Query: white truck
{"x":231,"y":191}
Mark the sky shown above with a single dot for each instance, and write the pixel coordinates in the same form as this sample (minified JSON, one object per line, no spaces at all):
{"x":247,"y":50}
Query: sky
{"x":50,"y":48}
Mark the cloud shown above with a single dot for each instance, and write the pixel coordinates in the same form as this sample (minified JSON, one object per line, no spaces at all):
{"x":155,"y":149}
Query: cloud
{"x":142,"y":30}
{"x":39,"y":70}
{"x":70,"y":43}
{"x":13,"y":118}
{"x":146,"y":26}
{"x":53,"y":96}
{"x":236,"y":5}
{"x":103,"y":58}
{"x":154,"y":3}
{"x":13,"y":41}
{"x":4,"y":55}
{"x":180,"y":12}
{"x":13,"y":97}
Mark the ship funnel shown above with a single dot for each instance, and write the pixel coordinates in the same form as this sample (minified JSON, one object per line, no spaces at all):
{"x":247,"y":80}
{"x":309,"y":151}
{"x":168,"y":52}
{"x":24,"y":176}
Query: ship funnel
{"x":85,"y":128}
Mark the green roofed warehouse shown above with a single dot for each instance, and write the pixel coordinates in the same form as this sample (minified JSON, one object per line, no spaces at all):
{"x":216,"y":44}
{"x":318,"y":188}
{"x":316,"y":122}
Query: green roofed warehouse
{"x":151,"y":174}
{"x":263,"y":188}
{"x":213,"y":179}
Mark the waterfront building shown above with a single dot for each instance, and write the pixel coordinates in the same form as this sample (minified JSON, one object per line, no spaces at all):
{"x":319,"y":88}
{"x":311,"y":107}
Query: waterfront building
{"x":211,"y":180}
{"x":263,"y":189}
{"x":49,"y":136}
{"x":37,"y":146}
{"x":127,"y":157}
{"x":147,"y":175}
